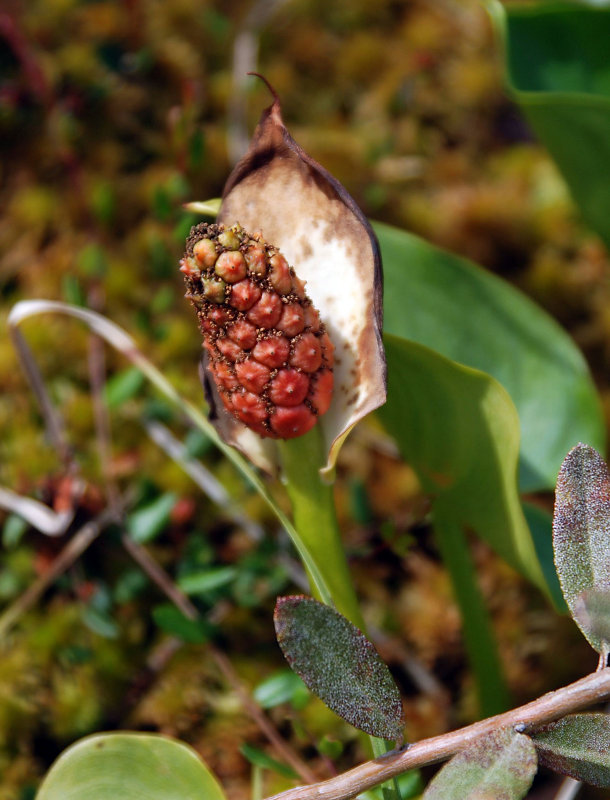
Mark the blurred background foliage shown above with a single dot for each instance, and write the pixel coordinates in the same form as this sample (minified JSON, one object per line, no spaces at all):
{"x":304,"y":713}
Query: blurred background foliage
{"x":112,"y":114}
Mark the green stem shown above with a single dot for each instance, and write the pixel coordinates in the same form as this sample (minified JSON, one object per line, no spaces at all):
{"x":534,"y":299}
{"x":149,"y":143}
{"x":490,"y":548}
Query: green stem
{"x":315,"y":519}
{"x":478,"y":634}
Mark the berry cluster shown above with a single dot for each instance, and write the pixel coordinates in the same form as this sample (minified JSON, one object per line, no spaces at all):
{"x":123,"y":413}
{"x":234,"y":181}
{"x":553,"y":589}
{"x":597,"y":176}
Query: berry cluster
{"x":268,"y":352}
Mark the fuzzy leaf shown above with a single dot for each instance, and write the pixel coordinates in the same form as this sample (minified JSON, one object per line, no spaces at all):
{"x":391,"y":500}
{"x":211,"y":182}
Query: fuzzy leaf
{"x":579,"y":746}
{"x":499,"y":767}
{"x":301,"y":209}
{"x":592,"y":613}
{"x":339,"y":664}
{"x":581,"y":530}
{"x":129,"y":766}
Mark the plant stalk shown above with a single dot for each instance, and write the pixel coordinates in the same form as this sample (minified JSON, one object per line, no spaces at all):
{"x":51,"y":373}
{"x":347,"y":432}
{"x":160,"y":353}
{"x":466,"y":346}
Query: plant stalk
{"x":594,"y":688}
{"x":479,"y":638}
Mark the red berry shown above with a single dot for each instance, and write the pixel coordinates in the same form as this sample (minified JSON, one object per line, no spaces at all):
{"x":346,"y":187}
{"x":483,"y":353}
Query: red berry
{"x":229,"y":349}
{"x":205,"y":253}
{"x":244,"y":294}
{"x":252,"y":375}
{"x":256,"y":260}
{"x":292,"y":320}
{"x":328,"y":350}
{"x":242,"y":333}
{"x":288,"y":388}
{"x":231,"y":266}
{"x":321,"y":393}
{"x":290,"y":422}
{"x":225,"y":376}
{"x":272,"y":351}
{"x":249,"y":407}
{"x":266,"y":313}
{"x":307,"y":353}
{"x":279,"y":274}
{"x":220,"y":315}
{"x":312,"y":318}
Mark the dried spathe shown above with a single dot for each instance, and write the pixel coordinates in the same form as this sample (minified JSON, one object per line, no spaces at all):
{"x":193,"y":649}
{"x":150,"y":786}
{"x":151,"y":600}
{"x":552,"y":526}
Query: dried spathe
{"x":267,"y":351}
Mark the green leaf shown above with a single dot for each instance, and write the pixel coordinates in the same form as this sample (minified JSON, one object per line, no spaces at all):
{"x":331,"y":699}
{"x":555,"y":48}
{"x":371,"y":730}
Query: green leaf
{"x":172,"y":620}
{"x":577,"y":745}
{"x":339,"y":664}
{"x":207,"y":208}
{"x":459,"y":430}
{"x":540,"y":523}
{"x":471,"y":316}
{"x":129,"y":766}
{"x":500,"y":766}
{"x":581,"y":530}
{"x":123,"y":386}
{"x":146,"y":523}
{"x":281,"y":687}
{"x":558,"y":71}
{"x":592,"y":613}
{"x":207,"y":580}
{"x":261,"y":759}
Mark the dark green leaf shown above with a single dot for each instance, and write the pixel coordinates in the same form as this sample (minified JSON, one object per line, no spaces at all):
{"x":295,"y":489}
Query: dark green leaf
{"x":500,"y":766}
{"x":559,"y":72}
{"x":338,"y":663}
{"x":129,"y":766}
{"x":459,"y":429}
{"x":581,"y":529}
{"x":261,"y":759}
{"x":578,"y":745}
{"x":147,"y":523}
{"x":171,"y":620}
{"x":540,"y":523}
{"x":476,"y":319}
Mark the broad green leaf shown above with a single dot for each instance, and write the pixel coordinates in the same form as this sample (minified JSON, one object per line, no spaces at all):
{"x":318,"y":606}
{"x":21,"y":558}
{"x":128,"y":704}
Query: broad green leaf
{"x":577,"y":745}
{"x":339,"y":664}
{"x":471,"y":316}
{"x":500,"y":766}
{"x":581,"y":530}
{"x":146,"y":523}
{"x":459,"y":430}
{"x":129,"y":766}
{"x":558,"y":71}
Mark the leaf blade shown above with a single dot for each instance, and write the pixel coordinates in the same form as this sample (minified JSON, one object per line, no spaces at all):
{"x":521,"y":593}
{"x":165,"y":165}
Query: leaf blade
{"x":581,"y":530}
{"x":499,"y":766}
{"x":579,"y":746}
{"x":130,"y":766}
{"x":338,"y":663}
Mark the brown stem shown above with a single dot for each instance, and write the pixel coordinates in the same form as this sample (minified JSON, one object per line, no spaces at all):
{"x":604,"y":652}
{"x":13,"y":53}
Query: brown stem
{"x":592,"y":689}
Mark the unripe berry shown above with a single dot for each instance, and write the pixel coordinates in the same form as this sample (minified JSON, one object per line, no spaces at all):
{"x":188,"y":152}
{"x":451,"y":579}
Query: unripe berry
{"x":268,"y":352}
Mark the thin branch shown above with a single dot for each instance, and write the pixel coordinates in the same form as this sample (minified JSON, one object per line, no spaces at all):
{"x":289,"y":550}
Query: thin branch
{"x":568,"y":790}
{"x":39,"y":516}
{"x":554,"y":705}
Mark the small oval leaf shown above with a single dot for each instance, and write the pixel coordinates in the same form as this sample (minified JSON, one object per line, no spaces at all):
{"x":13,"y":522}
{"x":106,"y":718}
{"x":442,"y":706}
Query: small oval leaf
{"x":592,"y":614}
{"x":339,"y":664}
{"x":500,"y":766}
{"x":130,"y":766}
{"x":579,"y":746}
{"x":581,"y":530}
